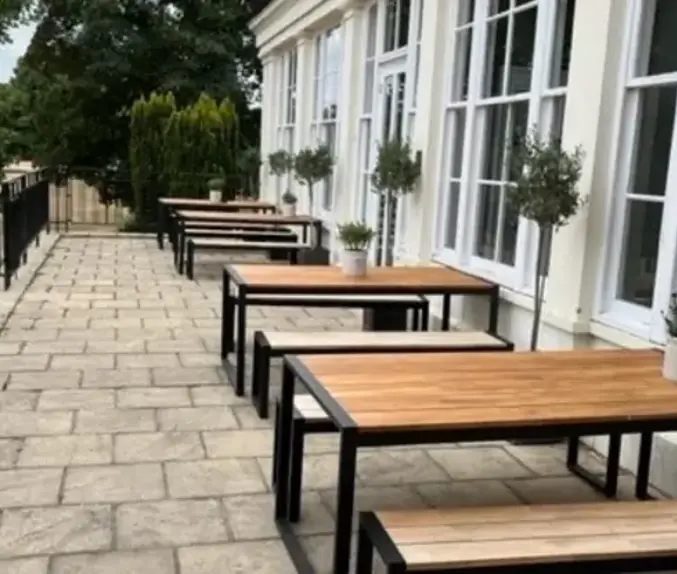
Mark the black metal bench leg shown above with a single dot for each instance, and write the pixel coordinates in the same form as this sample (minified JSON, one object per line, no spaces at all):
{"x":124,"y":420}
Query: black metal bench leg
{"x":293,"y":257}
{"x":644,"y":467}
{"x":190,"y":259}
{"x":263,"y":381}
{"x":415,"y":318}
{"x":256,"y":357}
{"x":227,"y":317}
{"x":365,"y":552}
{"x":425,"y":316}
{"x":276,"y":446}
{"x":609,"y":486}
{"x":240,"y":351}
{"x":296,"y":469}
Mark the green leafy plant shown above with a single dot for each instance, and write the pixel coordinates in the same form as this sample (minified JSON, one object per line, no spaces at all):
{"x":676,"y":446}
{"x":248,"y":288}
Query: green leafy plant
{"x":670,"y":316}
{"x":312,"y":166}
{"x":216,"y":184}
{"x":397,"y":173}
{"x":280,"y":162}
{"x":289,"y":198}
{"x":355,"y":236}
{"x":249,"y":163}
{"x":545,"y":192}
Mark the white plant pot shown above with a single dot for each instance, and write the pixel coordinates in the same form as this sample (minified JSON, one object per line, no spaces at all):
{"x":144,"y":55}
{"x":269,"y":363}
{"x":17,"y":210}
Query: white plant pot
{"x":215,"y":195}
{"x":288,"y":209}
{"x":354,"y":263}
{"x":670,"y":360}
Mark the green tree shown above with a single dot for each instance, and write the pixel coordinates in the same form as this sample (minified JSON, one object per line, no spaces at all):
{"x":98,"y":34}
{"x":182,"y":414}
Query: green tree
{"x":90,"y":60}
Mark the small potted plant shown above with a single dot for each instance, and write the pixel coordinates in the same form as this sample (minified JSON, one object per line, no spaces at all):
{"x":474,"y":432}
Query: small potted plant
{"x":356,"y":238}
{"x":280,"y":163}
{"x":288,"y":206}
{"x":670,"y":353}
{"x":215,"y":189}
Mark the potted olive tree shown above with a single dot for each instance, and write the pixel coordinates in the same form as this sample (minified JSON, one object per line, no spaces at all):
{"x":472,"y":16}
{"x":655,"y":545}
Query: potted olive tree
{"x":215,"y":189}
{"x":288,"y":206}
{"x":670,"y":351}
{"x":355,"y":237}
{"x":397,"y":173}
{"x":249,"y":163}
{"x":312,"y":166}
{"x":280,"y":163}
{"x":545,"y":192}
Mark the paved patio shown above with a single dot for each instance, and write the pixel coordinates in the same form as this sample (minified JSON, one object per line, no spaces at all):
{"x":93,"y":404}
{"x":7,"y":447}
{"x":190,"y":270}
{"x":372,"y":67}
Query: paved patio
{"x":124,"y":449}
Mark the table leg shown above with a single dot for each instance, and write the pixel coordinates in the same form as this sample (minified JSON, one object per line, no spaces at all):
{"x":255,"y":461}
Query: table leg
{"x":161,"y":224}
{"x":345,"y":501}
{"x":446,"y":311}
{"x":644,"y":467}
{"x":494,"y":304}
{"x":609,"y":486}
{"x":240,"y":358}
{"x":227,"y":316}
{"x":284,"y":424}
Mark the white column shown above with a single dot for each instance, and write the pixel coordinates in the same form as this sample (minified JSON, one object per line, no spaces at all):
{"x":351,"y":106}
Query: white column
{"x":268,"y":115}
{"x":428,"y":128}
{"x":346,"y":169}
{"x":304,"y":105}
{"x":576,"y":258}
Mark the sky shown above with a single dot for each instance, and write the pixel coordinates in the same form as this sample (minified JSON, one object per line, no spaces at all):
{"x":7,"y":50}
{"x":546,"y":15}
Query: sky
{"x":10,"y":53}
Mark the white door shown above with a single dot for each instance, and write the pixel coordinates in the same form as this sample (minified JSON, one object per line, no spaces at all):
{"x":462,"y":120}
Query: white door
{"x":389,"y":124}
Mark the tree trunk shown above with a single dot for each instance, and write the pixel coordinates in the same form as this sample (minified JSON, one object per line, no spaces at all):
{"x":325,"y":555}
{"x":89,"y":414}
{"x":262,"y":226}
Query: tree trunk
{"x":387,"y":256}
{"x":543,"y":233}
{"x":310,"y":199}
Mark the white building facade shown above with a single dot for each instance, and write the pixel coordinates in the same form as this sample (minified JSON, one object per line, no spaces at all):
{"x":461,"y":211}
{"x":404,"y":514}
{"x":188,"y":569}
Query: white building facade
{"x":460,"y":79}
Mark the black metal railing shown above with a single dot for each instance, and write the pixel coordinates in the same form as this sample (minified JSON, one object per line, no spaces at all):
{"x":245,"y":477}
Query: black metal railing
{"x":24,"y":205}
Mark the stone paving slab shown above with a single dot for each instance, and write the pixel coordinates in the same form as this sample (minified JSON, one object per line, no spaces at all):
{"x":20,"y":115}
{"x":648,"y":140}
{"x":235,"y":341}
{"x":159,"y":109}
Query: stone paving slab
{"x":122,"y":449}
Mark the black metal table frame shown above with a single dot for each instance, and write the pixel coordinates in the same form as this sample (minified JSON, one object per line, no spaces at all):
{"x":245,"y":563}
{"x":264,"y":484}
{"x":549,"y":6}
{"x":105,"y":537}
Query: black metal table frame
{"x":165,"y":210}
{"x":247,"y":295}
{"x":351,"y":438}
{"x":372,"y":534}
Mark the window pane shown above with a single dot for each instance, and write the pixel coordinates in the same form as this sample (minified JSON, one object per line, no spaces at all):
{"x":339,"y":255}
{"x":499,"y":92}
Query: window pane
{"x":494,"y":71}
{"x":504,"y":125}
{"x":497,"y":6}
{"x":522,"y":51}
{"x":653,"y":140}
{"x":640,"y":252}
{"x":371,"y":32}
{"x":459,"y":88}
{"x":388,"y":94}
{"x":561,"y":55}
{"x":419,"y":31}
{"x":487,"y":220}
{"x":457,"y":141}
{"x":404,"y":14}
{"x":367,"y":104}
{"x":329,"y":140}
{"x":416,"y":75}
{"x":451,"y":223}
{"x":399,"y":102}
{"x":659,"y":53}
{"x":390,"y":26}
{"x":510,"y":224}
{"x":466,"y":12}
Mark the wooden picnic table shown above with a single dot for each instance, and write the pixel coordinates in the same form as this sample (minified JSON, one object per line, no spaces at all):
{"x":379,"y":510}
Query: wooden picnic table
{"x":167,"y":204}
{"x":432,"y":399}
{"x":306,"y":283}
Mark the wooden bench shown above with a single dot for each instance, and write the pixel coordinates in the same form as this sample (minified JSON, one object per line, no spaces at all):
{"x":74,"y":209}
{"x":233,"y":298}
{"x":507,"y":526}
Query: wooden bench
{"x":604,"y":537}
{"x":269,"y":344}
{"x":255,"y":235}
{"x":290,"y":249}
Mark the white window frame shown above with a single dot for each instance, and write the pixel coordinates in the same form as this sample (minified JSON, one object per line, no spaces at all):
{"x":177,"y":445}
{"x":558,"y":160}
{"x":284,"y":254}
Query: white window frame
{"x":325,"y":194}
{"x":287,"y":111}
{"x":644,"y":322}
{"x":539,"y":98}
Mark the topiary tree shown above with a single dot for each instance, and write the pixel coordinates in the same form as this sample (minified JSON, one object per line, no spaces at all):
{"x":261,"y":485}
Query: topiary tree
{"x":249,"y":165}
{"x":312,"y":166}
{"x":546,"y":192}
{"x":149,"y":118}
{"x":396,"y":174}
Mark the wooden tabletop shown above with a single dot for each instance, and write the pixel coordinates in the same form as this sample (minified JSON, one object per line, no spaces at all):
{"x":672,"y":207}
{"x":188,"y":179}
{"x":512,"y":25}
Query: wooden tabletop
{"x":461,"y":538}
{"x":245,"y":217}
{"x":193,"y":202}
{"x":422,"y":279}
{"x":464,"y":391}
